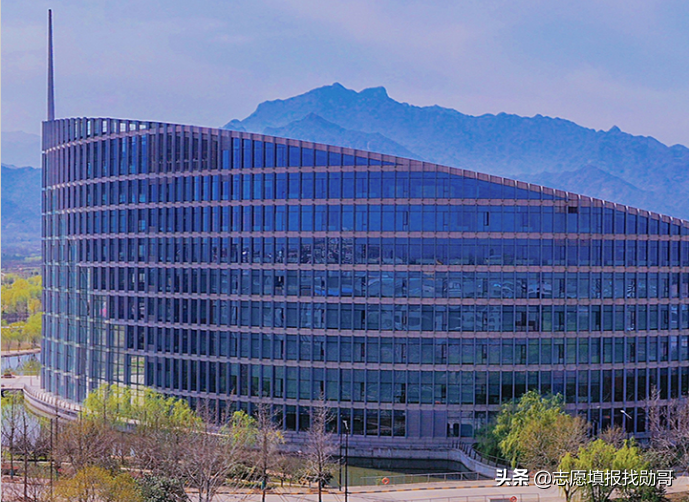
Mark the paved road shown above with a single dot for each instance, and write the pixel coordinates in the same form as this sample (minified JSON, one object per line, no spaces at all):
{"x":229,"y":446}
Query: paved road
{"x":416,"y":493}
{"x":432,"y":492}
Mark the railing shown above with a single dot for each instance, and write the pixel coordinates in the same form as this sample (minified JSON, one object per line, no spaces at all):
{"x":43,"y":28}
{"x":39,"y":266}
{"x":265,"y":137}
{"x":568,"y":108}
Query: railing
{"x":487,"y":460}
{"x":405,"y":479}
{"x":50,"y":404}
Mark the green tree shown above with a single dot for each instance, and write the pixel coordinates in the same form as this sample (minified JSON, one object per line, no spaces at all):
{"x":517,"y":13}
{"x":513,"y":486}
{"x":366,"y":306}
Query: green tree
{"x":157,"y":427}
{"x":108,"y":404}
{"x":153,"y":411}
{"x":569,"y":489}
{"x":21,"y":311}
{"x":95,"y":484}
{"x":548,"y":437}
{"x":535,"y":432}
{"x":162,"y":426}
{"x":488,"y":442}
{"x":12,"y":409}
{"x":32,"y":329}
{"x":21,"y":297}
{"x":599,"y":456}
{"x":161,"y":489}
{"x":16,"y":296}
{"x":13,"y":335}
{"x":160,"y":435}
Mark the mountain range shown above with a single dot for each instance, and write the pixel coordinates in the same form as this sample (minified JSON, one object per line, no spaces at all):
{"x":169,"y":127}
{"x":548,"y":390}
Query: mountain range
{"x":21,"y":149}
{"x":21,"y":210}
{"x":612,"y":165}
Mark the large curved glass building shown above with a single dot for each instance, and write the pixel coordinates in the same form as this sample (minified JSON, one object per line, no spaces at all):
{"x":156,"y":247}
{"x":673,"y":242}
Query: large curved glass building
{"x":414,"y":298}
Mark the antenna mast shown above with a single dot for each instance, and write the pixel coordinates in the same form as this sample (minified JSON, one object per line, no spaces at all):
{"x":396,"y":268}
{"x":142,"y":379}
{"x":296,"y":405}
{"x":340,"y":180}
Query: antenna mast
{"x":51,"y":88}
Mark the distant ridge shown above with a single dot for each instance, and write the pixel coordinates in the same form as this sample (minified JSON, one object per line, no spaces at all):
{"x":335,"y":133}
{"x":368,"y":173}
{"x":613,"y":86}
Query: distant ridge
{"x":642,"y":171}
{"x":21,"y":149}
{"x":21,"y":208}
{"x":318,"y":130}
{"x":612,"y":165}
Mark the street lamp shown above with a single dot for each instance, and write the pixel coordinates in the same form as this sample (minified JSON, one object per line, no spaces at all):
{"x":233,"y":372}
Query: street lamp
{"x":346,"y":460}
{"x":626,"y":416}
{"x":339,"y":475}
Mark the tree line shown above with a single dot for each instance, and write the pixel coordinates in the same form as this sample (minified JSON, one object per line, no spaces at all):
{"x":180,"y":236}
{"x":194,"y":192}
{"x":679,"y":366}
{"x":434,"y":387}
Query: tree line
{"x":21,"y":311}
{"x":535,"y":433}
{"x":140,"y":446}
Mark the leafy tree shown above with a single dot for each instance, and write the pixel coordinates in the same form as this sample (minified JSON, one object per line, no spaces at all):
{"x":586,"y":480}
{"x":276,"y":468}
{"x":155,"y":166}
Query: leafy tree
{"x":161,"y":489}
{"x":17,"y":335}
{"x":536,"y":432}
{"x":21,"y":303}
{"x":15,"y":296}
{"x":162,"y":425}
{"x":488,"y":442}
{"x":21,"y":297}
{"x":95,"y":484}
{"x":570,"y":490}
{"x":153,"y":411}
{"x":164,"y":437}
{"x":157,"y":427}
{"x":601,"y":456}
{"x":97,"y":438}
{"x":13,"y":335}
{"x":34,"y":306}
{"x":32,"y":329}
{"x":12,"y":408}
{"x":108,"y":404}
{"x":548,"y":437}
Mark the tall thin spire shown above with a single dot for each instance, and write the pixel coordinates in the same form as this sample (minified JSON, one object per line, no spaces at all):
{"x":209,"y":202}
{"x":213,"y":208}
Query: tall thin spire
{"x":51,"y":88}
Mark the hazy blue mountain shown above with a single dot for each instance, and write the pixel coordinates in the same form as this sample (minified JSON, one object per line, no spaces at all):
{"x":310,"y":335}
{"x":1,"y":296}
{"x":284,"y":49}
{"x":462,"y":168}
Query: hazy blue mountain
{"x":506,"y":145}
{"x":21,"y":207}
{"x":591,"y":181}
{"x":612,"y":165}
{"x":21,"y":149}
{"x":317,"y":129}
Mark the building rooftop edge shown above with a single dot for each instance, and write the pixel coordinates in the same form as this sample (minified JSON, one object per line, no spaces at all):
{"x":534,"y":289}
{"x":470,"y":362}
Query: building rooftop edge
{"x":564,"y":196}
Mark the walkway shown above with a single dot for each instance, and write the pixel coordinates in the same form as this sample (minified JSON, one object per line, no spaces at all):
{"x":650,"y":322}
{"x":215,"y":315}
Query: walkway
{"x":17,"y":383}
{"x":42,"y":402}
{"x":462,"y":491}
{"x":23,"y":352}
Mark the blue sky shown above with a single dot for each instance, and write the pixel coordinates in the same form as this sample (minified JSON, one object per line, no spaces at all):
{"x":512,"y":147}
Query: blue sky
{"x":599,"y":63}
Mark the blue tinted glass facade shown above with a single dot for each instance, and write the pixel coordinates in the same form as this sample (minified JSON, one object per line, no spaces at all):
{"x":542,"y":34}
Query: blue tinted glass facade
{"x":414,"y":298}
